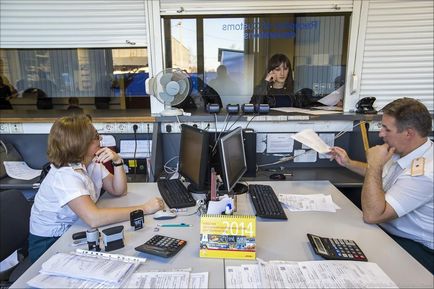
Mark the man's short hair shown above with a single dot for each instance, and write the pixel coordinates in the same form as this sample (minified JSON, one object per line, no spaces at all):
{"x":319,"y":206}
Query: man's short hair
{"x":410,"y":113}
{"x":69,"y":139}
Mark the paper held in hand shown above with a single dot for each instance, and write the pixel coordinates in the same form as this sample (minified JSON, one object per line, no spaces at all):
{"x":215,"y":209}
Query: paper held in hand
{"x":311,"y":139}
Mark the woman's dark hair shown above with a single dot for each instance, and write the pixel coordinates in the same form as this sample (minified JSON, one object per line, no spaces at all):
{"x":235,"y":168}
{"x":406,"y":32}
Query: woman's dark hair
{"x":275,"y":61}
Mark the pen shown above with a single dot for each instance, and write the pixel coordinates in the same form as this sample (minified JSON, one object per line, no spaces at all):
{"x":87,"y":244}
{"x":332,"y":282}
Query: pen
{"x":175,"y":225}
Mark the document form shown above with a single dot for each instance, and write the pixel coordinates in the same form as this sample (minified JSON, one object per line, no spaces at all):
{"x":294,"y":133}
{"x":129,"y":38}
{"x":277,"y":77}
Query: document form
{"x":316,"y":202}
{"x":53,"y":281}
{"x":178,"y":279}
{"x":198,"y":280}
{"x":139,"y":149}
{"x":309,"y":274}
{"x":88,"y":268}
{"x":20,"y":170}
{"x":279,"y":143}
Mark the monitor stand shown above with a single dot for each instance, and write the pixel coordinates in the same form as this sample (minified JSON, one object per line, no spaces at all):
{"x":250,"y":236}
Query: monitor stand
{"x":197,"y":190}
{"x":240,"y":189}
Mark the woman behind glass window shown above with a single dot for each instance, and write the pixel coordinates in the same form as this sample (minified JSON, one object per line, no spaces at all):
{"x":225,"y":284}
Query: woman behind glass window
{"x":277,"y":88}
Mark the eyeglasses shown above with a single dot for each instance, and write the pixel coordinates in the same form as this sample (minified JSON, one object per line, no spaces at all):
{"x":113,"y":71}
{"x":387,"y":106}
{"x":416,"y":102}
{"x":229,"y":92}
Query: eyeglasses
{"x":98,"y":136}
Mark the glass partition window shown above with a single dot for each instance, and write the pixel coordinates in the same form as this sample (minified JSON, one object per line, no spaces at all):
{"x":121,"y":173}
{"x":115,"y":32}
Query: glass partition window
{"x":93,"y":78}
{"x":229,"y":55}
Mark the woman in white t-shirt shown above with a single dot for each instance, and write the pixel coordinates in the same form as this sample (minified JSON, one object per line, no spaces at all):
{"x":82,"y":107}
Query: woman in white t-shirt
{"x":73,"y":184}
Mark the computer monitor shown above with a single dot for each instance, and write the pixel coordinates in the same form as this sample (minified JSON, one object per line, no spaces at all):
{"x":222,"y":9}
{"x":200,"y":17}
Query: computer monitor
{"x":233,"y":161}
{"x":194,"y":157}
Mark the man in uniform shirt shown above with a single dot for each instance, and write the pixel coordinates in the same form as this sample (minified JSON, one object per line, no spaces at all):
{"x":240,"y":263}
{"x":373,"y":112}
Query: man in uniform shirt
{"x":397,"y":191}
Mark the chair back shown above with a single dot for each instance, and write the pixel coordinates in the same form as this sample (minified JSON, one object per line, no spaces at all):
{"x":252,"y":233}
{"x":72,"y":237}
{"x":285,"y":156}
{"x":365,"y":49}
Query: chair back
{"x":14,"y":222}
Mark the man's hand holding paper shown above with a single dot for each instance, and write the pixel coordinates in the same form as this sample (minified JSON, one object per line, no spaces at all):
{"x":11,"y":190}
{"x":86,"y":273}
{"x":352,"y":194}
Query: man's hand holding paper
{"x":311,"y":139}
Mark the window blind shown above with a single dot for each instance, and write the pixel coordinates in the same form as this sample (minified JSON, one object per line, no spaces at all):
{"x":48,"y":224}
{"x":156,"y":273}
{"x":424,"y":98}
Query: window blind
{"x":72,"y":23}
{"x":200,"y":7}
{"x":398,"y":51}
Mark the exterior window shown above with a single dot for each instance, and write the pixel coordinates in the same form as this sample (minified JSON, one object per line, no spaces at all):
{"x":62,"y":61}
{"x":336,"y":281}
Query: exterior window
{"x":230,"y":54}
{"x":95,"y":78}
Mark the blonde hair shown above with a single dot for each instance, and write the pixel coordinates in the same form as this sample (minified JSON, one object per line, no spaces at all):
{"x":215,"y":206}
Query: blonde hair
{"x":69,"y":139}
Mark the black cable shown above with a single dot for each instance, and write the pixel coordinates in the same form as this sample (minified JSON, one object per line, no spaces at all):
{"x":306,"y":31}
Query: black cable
{"x":150,"y":173}
{"x":227,"y":119}
{"x":135,"y":127}
{"x":239,"y":117}
{"x":251,"y":120}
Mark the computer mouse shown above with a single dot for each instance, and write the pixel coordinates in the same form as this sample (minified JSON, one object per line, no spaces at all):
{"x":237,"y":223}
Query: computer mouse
{"x":277,"y":177}
{"x":164,"y":215}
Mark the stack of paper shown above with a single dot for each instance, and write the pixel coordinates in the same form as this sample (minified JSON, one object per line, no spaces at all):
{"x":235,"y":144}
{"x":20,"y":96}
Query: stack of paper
{"x":88,"y":269}
{"x":73,"y":271}
{"x":310,"y":274}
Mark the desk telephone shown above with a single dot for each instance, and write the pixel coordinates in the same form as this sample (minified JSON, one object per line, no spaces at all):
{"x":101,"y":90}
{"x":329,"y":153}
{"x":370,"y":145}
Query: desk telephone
{"x":336,"y":249}
{"x":365,"y":105}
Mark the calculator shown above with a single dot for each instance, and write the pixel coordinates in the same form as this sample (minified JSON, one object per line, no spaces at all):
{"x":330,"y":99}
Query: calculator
{"x":162,"y":246}
{"x":336,"y":249}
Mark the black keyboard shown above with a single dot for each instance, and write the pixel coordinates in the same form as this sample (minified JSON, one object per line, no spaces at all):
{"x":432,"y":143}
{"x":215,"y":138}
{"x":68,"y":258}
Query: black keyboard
{"x":175,"y":194}
{"x":266,"y":203}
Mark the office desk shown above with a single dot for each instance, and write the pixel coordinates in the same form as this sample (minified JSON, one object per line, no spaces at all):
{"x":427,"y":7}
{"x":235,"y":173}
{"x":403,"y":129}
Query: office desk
{"x":188,"y":257}
{"x":276,"y":240}
{"x":339,"y":177}
{"x":288,"y":241}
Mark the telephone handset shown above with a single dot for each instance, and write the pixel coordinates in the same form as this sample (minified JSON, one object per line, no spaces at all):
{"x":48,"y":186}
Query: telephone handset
{"x":365,"y":105}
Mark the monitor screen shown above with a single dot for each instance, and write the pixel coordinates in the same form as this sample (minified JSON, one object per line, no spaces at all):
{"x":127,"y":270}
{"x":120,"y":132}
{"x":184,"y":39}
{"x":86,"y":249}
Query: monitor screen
{"x":233,"y":158}
{"x":194,"y":156}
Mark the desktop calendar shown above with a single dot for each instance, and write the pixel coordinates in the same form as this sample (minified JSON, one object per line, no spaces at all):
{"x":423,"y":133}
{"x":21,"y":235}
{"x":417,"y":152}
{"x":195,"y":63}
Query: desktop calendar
{"x":228,"y":236}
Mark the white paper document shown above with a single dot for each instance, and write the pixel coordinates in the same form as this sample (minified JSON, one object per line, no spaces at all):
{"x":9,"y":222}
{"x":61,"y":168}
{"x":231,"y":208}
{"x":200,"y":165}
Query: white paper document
{"x":261,"y":142}
{"x":20,"y":170}
{"x":345,"y":274}
{"x":142,"y":149}
{"x":300,"y":203}
{"x":310,"y":274}
{"x":88,"y":268}
{"x":305,"y":111}
{"x":233,"y":277}
{"x":335,"y":108}
{"x":312,"y":140}
{"x":279,"y":143}
{"x":303,"y":156}
{"x":52,"y":281}
{"x":329,"y":139}
{"x":250,"y":276}
{"x":334,"y":97}
{"x":198,"y":280}
{"x":178,"y":279}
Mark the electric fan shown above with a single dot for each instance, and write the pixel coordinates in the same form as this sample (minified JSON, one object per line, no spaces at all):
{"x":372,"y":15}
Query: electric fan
{"x":171,"y":87}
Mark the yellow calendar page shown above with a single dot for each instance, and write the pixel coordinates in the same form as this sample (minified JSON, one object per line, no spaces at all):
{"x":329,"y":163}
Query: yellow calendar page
{"x":228,"y":236}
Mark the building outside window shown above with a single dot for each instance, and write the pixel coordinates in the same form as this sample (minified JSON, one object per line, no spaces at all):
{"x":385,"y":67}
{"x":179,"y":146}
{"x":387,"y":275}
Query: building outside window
{"x":99,"y":77}
{"x":230,"y":54}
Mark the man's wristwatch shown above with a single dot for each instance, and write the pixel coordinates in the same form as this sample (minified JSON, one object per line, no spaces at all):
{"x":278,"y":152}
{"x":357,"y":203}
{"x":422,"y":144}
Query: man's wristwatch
{"x":118,"y":164}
